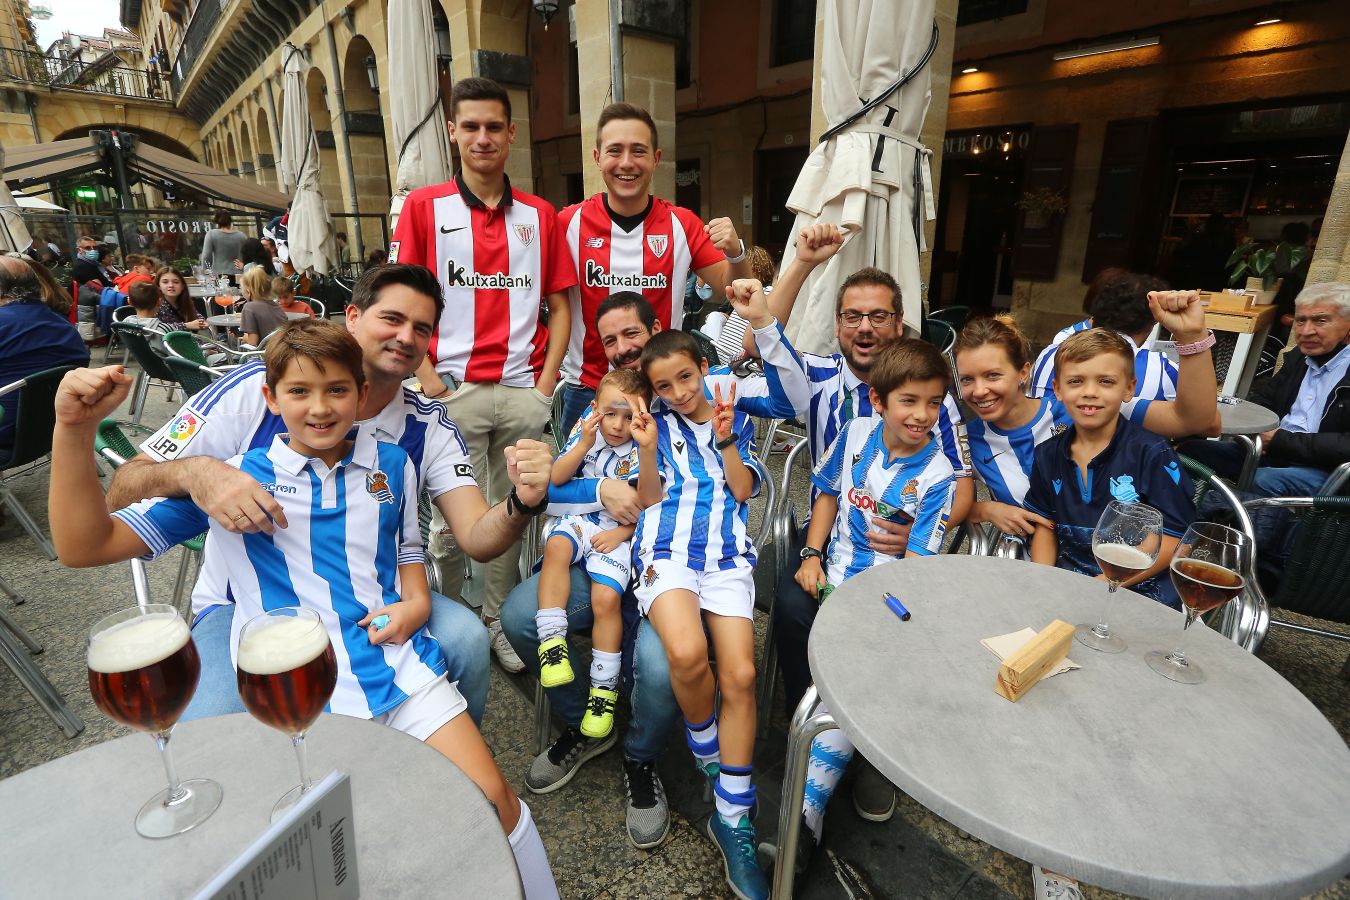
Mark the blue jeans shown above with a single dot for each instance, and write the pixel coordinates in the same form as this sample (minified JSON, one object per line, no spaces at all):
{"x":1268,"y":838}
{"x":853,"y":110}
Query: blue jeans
{"x":463,"y":639}
{"x":655,"y":712}
{"x":1226,"y":457}
{"x":575,"y":400}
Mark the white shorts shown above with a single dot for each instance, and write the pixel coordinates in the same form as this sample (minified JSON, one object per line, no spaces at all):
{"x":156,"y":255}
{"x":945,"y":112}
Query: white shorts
{"x":426,"y":710}
{"x":613,"y":569}
{"x":724,"y":592}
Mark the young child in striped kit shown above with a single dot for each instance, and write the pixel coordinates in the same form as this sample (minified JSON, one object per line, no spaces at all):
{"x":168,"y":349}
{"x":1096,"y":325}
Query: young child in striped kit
{"x":694,"y":568}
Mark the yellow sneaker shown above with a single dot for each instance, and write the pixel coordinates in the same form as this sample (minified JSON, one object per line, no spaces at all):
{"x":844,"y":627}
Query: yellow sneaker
{"x":599,"y":718}
{"x":554,"y":668}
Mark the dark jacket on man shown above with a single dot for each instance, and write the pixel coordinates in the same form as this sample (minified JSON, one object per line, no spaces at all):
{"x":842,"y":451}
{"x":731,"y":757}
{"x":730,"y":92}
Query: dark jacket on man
{"x":1329,"y":446}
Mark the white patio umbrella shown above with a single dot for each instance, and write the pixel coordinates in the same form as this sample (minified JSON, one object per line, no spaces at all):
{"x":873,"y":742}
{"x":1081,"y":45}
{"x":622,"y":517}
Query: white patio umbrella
{"x":415,"y":108}
{"x":309,"y":229}
{"x":872,"y":170}
{"x":13,"y":231}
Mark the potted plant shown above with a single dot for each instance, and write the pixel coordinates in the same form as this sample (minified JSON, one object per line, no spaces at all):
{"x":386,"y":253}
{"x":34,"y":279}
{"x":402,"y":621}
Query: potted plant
{"x":1041,"y":206}
{"x":1254,"y":268}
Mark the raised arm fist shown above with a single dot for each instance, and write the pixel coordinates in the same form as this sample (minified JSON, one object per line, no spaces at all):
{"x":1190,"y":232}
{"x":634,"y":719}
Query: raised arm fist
{"x":817,"y":243}
{"x":1179,"y":312}
{"x":748,"y":299}
{"x":723,"y":236}
{"x":529,"y":465}
{"x":87,"y":396}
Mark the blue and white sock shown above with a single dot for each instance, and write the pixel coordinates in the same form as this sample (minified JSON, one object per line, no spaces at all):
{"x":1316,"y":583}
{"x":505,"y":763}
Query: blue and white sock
{"x":605,"y":669}
{"x":550,"y":622}
{"x":702,"y":741}
{"x":734,"y":793}
{"x":830,"y":755}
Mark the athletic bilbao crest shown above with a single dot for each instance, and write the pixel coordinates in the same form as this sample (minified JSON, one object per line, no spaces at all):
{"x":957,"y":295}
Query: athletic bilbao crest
{"x":524,"y":234}
{"x":658,"y":244}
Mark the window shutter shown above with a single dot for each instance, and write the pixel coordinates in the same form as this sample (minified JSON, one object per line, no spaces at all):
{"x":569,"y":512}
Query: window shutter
{"x":1049,"y":166}
{"x":1127,"y":191}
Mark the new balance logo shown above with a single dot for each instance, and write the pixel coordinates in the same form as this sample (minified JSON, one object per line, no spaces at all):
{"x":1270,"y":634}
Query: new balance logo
{"x":445,"y":230}
{"x":595,"y":243}
{"x":458,"y":276}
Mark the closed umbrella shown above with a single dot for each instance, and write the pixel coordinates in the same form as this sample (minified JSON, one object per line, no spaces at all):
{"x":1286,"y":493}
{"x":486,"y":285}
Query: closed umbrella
{"x":309,"y":229}
{"x":415,"y":109}
{"x":871,"y":170}
{"x":13,"y":232}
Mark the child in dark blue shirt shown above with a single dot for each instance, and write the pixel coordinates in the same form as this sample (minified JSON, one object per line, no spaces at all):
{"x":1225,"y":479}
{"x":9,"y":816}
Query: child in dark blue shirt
{"x":1104,"y":457}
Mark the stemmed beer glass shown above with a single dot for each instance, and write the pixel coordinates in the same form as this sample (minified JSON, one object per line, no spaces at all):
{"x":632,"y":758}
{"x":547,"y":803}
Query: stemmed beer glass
{"x":1126,"y":542}
{"x":287,"y":671}
{"x":1208,"y":570}
{"x":143,"y":671}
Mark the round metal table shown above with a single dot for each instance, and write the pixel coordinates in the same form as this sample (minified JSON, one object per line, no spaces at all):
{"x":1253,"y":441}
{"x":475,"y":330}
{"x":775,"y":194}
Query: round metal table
{"x":1112,"y":774}
{"x":233,"y":320}
{"x":1245,"y":422}
{"x":423,"y":829}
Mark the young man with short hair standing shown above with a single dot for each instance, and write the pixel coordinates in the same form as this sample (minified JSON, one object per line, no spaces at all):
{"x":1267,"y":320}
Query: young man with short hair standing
{"x":626,"y":239}
{"x":493,"y":361}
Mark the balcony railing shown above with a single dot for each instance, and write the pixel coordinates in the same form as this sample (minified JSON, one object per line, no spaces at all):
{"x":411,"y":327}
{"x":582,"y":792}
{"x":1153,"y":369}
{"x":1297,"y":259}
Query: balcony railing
{"x":204,"y":19}
{"x":28,"y":67}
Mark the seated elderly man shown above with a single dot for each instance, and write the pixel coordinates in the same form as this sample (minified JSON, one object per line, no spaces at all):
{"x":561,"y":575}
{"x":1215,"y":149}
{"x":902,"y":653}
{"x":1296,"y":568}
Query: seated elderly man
{"x":1310,"y":394}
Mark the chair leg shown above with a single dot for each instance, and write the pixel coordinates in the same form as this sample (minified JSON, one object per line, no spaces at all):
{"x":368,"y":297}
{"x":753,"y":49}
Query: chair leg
{"x":28,"y":641}
{"x":36,"y":683}
{"x":140,"y":583}
{"x":138,"y":402}
{"x":768,"y":677}
{"x":543,"y":726}
{"x":10,"y":592}
{"x":184,"y":561}
{"x":12,"y":503}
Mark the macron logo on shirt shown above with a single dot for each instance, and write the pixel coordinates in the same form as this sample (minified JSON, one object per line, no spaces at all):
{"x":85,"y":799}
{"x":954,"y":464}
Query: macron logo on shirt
{"x":597,"y":277}
{"x":273,"y":488}
{"x":458,"y":276}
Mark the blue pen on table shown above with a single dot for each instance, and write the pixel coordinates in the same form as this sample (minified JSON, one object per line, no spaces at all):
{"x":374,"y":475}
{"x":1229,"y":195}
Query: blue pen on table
{"x":897,"y":607}
{"x":380,"y":622}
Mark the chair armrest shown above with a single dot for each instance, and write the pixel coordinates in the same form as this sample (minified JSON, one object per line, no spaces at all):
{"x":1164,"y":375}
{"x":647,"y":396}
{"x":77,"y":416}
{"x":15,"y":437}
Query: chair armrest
{"x":13,"y":386}
{"x":1335,"y":481}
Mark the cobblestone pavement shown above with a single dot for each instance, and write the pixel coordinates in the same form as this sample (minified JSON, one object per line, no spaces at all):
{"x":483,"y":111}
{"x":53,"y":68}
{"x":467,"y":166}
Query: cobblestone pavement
{"x":916,"y":854}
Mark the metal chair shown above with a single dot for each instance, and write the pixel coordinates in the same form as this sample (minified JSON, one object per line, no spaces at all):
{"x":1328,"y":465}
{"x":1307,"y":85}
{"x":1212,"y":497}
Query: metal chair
{"x":34,"y":419}
{"x":122,"y":313}
{"x":151,"y":363}
{"x":29,"y":674}
{"x":954,"y":316}
{"x":1241,"y":615}
{"x":193,"y":377}
{"x":320,"y":310}
{"x":708,"y":348}
{"x":186,"y":345}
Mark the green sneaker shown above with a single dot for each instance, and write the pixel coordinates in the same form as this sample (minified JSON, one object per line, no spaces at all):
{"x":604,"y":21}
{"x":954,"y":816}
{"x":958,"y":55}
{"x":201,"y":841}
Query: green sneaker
{"x":599,"y":718}
{"x":554,"y":668}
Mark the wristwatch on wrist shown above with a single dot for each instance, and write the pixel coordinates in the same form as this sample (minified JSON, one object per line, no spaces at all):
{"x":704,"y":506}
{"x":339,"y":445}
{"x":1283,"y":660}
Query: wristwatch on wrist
{"x":515,"y":505}
{"x":810,"y":553}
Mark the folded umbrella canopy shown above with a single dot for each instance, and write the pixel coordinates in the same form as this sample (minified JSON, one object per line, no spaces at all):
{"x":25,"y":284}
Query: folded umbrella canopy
{"x":13,"y":232}
{"x":869,"y":170}
{"x":310,"y":229}
{"x":415,"y":108}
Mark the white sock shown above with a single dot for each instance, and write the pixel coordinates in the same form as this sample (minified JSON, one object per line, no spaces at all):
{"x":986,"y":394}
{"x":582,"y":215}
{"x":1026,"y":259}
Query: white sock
{"x":605,"y":669}
{"x":704,"y":735}
{"x":734,"y":794}
{"x":532,"y":859}
{"x":830,"y":755}
{"x":550,"y":622}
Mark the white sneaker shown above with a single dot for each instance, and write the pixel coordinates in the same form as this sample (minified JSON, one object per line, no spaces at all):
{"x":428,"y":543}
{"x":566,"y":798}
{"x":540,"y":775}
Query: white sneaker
{"x":501,"y":647}
{"x":1047,"y":885}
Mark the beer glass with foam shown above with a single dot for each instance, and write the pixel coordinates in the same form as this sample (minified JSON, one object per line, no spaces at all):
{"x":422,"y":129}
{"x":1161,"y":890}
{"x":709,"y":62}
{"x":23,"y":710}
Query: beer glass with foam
{"x":143,"y":670}
{"x":287,"y":671}
{"x":1126,"y":542}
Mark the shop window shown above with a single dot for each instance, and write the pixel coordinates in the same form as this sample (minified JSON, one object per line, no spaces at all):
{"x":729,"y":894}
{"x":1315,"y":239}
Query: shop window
{"x":972,"y":11}
{"x":794,"y":31}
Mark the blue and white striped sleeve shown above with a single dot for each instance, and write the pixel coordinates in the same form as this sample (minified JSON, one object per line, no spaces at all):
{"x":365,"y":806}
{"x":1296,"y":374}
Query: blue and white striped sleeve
{"x":1135,"y":409}
{"x":745,"y":446}
{"x":163,"y":523}
{"x":1043,"y":373}
{"x":829,"y":474}
{"x":930,"y":521}
{"x":783,"y":389}
{"x":410,"y":532}
{"x":951,"y":432}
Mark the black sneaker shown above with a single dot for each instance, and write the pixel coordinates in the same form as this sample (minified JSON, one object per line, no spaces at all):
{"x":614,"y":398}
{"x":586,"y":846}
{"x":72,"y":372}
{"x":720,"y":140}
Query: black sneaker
{"x":807,"y":850}
{"x":648,"y":813}
{"x":555,"y":767}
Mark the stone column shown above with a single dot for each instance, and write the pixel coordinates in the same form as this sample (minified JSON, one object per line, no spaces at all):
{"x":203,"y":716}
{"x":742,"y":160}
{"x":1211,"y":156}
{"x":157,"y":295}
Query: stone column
{"x":1331,"y":260}
{"x":648,"y":81}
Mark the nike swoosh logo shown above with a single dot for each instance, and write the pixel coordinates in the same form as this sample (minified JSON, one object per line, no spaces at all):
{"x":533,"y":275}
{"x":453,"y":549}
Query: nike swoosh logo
{"x":445,"y":230}
{"x":994,"y":457}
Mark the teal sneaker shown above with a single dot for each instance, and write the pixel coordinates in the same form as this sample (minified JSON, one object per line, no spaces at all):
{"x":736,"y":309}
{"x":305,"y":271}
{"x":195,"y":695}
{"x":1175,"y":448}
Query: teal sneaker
{"x":736,"y":843}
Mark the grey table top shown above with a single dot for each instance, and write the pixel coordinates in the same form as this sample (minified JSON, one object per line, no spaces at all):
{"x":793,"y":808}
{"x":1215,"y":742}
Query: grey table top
{"x":423,"y":829}
{"x":211,"y":290}
{"x":233,"y":320}
{"x":1245,"y":417}
{"x":1237,"y":787}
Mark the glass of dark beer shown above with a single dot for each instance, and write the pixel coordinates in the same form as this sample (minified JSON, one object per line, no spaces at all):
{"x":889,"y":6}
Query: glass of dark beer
{"x":1209,"y":568}
{"x":143,"y":670}
{"x":287,"y":671}
{"x":1126,"y":542}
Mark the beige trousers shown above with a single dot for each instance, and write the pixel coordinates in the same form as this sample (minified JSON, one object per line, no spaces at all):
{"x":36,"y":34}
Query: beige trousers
{"x":490,"y":418}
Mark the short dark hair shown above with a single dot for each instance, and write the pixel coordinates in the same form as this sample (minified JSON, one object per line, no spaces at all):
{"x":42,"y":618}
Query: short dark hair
{"x":318,"y":341}
{"x":1092,"y":343}
{"x":670,"y":342}
{"x":621,"y":111}
{"x":144,"y":296}
{"x":222,"y":219}
{"x":628,"y":300}
{"x":906,"y":359}
{"x":1122,"y":303}
{"x":366,"y":292}
{"x":478,"y":89}
{"x":867,"y":277}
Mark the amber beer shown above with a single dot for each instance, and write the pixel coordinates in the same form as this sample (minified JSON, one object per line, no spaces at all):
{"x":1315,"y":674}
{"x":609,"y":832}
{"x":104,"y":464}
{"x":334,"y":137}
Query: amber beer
{"x":143,"y":671}
{"x":287,"y":672}
{"x":1204,"y":585}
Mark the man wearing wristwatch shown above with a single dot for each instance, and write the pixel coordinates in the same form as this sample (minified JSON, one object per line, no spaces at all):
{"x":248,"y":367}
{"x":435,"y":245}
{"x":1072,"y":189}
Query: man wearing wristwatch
{"x":626,"y":239}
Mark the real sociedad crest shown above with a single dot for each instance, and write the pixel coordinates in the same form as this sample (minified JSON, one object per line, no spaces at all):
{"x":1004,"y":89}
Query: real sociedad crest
{"x":658,"y":244}
{"x":524,"y":234}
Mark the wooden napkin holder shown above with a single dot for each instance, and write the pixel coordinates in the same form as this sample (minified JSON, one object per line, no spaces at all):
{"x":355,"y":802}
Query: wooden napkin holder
{"x":1034,"y":660}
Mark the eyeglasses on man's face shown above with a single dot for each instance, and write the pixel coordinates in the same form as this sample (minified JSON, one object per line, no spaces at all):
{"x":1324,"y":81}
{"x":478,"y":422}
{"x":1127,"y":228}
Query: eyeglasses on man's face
{"x":880,"y":318}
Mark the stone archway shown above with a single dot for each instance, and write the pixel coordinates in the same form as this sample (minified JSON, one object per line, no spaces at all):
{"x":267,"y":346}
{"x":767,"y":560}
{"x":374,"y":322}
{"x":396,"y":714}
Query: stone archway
{"x":248,"y":166}
{"x":321,"y":116}
{"x":267,"y":167}
{"x":365,"y":134}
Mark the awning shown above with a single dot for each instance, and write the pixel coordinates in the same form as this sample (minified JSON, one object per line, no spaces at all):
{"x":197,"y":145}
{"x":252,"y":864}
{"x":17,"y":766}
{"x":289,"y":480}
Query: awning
{"x":42,"y":163}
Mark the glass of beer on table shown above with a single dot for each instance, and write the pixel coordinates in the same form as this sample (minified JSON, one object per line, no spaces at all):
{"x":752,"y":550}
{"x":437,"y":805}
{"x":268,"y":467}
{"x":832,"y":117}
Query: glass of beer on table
{"x":1208,"y":569}
{"x":287,"y":671}
{"x":143,"y":670}
{"x":1126,"y":543}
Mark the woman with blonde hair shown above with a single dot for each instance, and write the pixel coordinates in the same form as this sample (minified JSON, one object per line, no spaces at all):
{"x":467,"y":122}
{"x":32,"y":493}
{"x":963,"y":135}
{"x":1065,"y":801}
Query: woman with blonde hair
{"x":261,"y":315}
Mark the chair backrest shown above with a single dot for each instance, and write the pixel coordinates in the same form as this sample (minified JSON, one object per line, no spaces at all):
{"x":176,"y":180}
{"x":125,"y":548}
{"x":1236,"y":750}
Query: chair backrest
{"x":184,"y":344}
{"x":1316,"y":578}
{"x":123,"y":312}
{"x":193,"y":377}
{"x":940,"y":334}
{"x":320,"y":310}
{"x":706,"y":345}
{"x":138,"y":341}
{"x":34,"y":418}
{"x":954,"y":316}
{"x":112,"y":444}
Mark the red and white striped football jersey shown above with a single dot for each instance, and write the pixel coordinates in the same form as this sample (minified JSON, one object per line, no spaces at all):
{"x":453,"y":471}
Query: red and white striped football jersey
{"x":495,"y":266}
{"x":653,"y":259}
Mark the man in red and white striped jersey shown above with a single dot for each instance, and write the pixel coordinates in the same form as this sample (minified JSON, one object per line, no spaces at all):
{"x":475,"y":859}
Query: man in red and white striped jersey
{"x":499,"y":256}
{"x":624,"y":239}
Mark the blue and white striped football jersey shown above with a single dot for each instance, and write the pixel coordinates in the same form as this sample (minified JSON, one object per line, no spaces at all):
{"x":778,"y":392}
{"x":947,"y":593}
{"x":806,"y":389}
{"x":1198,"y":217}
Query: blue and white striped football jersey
{"x":348,"y":530}
{"x":871,"y":484}
{"x":1003,"y":459}
{"x":604,"y":461}
{"x":1155,"y":377}
{"x":699,"y":523}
